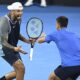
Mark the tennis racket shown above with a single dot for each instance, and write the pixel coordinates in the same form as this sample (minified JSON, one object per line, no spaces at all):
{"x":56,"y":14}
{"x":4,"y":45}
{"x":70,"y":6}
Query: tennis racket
{"x":34,"y":30}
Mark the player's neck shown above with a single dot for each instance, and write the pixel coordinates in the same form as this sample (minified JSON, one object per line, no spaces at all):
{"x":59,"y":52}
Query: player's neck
{"x":12,"y":18}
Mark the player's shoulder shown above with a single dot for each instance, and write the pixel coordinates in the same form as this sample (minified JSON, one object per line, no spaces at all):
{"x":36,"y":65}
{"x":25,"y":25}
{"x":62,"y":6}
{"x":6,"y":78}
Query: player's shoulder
{"x":4,"y":24}
{"x":55,"y":32}
{"x":3,"y":18}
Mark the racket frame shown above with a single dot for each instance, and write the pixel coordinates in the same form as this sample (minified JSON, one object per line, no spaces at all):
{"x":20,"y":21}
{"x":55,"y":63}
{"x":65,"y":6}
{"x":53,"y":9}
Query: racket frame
{"x":27,"y":31}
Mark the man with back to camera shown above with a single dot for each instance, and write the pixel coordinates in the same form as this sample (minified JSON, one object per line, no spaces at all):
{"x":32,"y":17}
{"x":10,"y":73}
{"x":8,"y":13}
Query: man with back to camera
{"x":10,"y":35}
{"x":69,"y":47}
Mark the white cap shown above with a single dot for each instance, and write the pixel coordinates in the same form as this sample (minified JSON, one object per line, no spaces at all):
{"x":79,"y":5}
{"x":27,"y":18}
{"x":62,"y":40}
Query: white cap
{"x":15,"y":6}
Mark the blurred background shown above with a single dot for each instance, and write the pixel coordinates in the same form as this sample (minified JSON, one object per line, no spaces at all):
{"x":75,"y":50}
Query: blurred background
{"x":49,"y":2}
{"x":46,"y":56}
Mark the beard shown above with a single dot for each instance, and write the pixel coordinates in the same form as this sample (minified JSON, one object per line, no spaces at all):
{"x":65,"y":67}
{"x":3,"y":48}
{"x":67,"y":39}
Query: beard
{"x":17,"y":18}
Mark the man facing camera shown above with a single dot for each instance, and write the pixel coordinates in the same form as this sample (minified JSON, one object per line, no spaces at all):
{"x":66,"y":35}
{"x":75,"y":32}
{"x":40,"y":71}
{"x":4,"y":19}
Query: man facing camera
{"x":10,"y":35}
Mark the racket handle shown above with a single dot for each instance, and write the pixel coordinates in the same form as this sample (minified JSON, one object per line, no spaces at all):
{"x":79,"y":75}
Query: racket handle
{"x":31,"y":54}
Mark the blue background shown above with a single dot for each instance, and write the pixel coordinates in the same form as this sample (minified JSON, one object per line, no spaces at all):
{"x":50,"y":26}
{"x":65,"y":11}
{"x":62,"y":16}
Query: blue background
{"x":46,"y":56}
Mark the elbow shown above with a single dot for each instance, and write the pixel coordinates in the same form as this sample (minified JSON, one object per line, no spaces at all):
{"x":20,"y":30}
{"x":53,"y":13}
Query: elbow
{"x":3,"y":43}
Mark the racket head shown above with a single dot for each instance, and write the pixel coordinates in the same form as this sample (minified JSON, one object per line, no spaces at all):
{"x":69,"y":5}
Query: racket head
{"x":34,"y":27}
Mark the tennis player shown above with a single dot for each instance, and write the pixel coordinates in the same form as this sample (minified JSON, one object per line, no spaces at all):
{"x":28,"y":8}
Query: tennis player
{"x":69,"y":47}
{"x":10,"y":35}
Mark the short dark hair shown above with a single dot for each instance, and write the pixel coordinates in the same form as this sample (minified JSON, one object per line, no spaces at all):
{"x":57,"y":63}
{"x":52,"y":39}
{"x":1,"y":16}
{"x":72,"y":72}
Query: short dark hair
{"x":63,"y":21}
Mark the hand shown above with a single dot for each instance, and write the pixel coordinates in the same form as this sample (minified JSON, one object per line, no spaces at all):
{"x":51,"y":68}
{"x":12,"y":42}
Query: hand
{"x":32,"y":40}
{"x":19,"y":49}
{"x":23,"y":52}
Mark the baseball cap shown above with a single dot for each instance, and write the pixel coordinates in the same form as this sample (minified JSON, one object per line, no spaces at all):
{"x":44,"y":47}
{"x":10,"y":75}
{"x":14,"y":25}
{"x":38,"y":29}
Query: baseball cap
{"x":15,"y":6}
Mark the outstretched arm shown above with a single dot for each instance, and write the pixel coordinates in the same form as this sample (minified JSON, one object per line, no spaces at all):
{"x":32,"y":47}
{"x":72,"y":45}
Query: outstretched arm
{"x":45,"y":38}
{"x":41,"y":40}
{"x":22,"y":38}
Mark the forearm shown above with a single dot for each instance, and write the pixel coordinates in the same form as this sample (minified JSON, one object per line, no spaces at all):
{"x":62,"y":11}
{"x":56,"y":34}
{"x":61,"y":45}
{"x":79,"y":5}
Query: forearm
{"x":6,"y":44}
{"x":41,"y":40}
{"x":23,"y":39}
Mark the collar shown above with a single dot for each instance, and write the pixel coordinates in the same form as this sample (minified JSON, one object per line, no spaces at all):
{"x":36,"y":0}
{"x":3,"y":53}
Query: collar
{"x":63,"y":29}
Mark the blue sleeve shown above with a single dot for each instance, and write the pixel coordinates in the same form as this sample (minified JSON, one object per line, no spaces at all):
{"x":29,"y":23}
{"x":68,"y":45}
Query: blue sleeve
{"x":48,"y":39}
{"x":51,"y":37}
